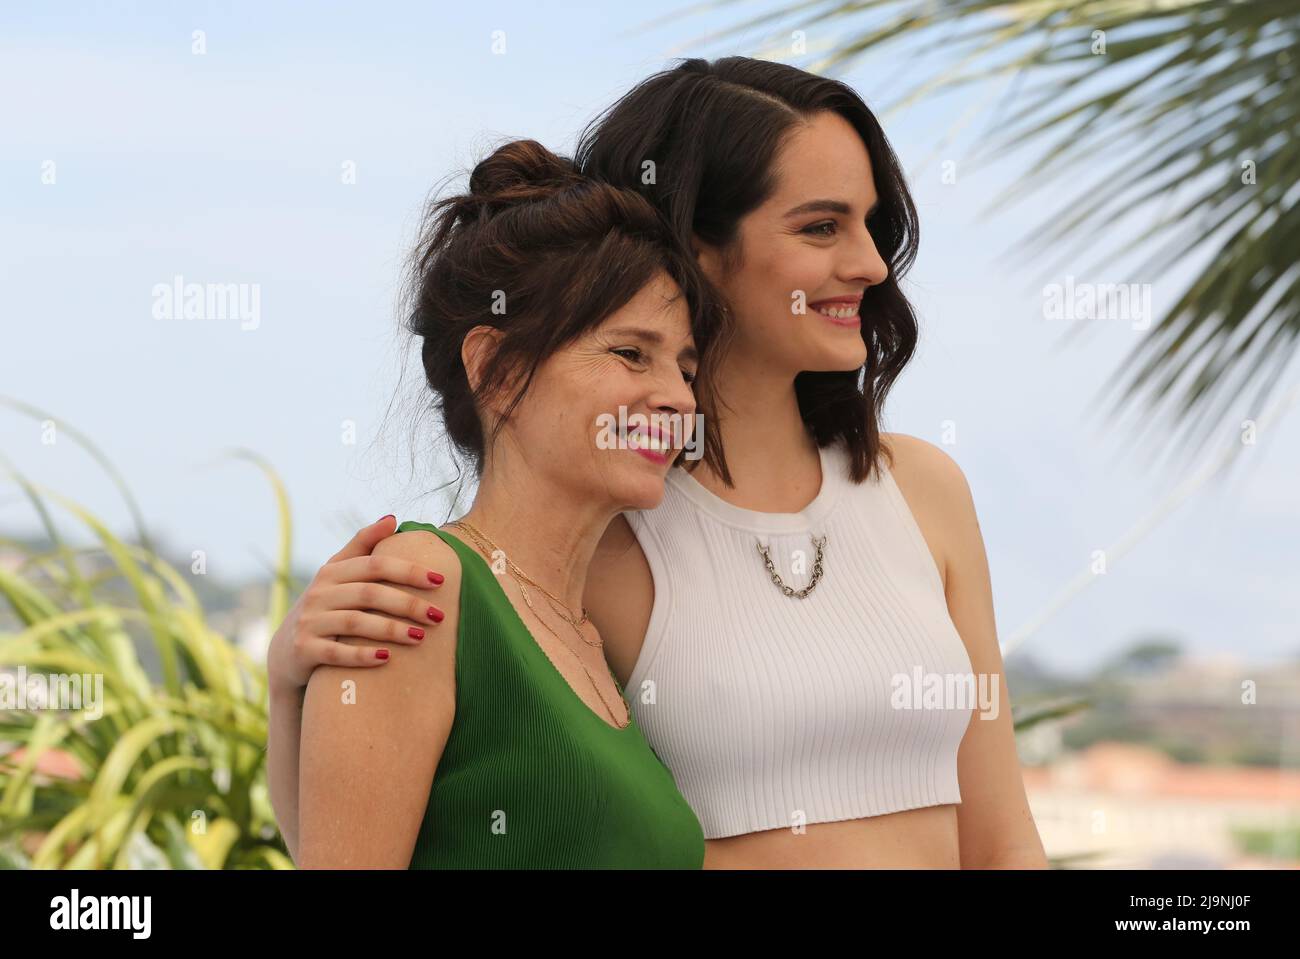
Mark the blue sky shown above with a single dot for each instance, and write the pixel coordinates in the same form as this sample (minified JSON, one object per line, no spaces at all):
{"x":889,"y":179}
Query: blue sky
{"x":225,"y":168}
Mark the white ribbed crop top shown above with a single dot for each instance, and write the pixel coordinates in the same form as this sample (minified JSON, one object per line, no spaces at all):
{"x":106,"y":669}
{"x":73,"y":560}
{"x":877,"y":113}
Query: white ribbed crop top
{"x":771,"y":710}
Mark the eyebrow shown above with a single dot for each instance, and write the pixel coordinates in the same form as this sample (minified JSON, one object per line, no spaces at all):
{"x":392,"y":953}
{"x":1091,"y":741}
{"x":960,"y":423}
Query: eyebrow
{"x":827,"y":206}
{"x":654,"y":338}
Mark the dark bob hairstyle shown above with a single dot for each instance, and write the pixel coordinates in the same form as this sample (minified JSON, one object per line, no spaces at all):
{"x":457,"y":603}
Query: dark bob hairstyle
{"x":712,"y":131}
{"x":565,"y":251}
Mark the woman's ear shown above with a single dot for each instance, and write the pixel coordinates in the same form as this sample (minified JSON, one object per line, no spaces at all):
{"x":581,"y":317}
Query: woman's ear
{"x":709,"y":257}
{"x":476,"y":351}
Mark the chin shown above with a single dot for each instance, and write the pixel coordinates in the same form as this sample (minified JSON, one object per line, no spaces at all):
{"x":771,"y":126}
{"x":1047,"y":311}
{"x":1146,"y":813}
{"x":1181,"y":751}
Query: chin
{"x":642,"y":492}
{"x":836,"y":361}
{"x":846,"y":356}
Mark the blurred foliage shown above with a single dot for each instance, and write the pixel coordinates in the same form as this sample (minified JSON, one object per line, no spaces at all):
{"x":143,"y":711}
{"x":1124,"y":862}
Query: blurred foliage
{"x":1280,"y":843}
{"x":172,"y":774}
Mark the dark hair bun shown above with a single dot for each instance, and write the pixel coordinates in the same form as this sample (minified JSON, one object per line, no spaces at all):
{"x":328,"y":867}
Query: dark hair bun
{"x":521,"y":171}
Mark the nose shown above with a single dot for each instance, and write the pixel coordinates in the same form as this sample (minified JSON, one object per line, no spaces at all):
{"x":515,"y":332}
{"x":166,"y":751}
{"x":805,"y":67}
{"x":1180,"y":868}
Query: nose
{"x":863,"y":262}
{"x":672,"y":395}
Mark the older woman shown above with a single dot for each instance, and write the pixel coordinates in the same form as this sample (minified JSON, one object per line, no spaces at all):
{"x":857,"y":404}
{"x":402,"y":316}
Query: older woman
{"x":546,"y":304}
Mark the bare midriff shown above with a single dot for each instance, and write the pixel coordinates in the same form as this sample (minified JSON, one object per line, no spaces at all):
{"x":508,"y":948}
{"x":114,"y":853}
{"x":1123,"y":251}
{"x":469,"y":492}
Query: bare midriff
{"x":924,"y":838}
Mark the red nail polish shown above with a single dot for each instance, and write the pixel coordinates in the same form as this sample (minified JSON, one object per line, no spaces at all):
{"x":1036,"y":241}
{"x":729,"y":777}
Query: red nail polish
{"x":415,"y":632}
{"x":435,"y":578}
{"x":435,"y":614}
{"x":381,"y":654}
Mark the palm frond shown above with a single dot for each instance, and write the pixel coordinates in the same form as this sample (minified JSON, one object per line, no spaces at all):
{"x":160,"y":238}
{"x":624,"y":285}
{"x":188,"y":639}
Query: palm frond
{"x":1162,"y":104}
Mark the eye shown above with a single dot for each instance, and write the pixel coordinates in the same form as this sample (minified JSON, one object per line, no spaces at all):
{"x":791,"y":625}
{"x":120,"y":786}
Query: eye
{"x":637,"y":355}
{"x":688,"y":376}
{"x":818,"y":229}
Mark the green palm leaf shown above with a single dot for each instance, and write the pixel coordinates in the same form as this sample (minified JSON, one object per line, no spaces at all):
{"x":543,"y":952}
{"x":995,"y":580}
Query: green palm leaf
{"x":1182,"y":113}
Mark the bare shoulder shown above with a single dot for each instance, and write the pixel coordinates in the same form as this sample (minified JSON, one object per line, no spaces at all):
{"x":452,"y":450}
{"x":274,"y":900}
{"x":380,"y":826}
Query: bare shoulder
{"x":925,"y":467}
{"x":937,"y":493}
{"x":430,"y":659}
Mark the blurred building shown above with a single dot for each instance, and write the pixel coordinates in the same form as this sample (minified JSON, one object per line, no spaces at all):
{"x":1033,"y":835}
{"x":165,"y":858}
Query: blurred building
{"x":1127,"y":806}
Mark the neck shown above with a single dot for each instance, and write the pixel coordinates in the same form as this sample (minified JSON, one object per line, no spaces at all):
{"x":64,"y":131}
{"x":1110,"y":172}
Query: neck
{"x":553,"y":545}
{"x":759,"y":424}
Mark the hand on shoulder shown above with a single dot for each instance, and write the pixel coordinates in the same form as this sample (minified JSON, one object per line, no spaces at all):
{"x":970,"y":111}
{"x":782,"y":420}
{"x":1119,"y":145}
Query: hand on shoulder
{"x":427,"y":548}
{"x":423,"y":548}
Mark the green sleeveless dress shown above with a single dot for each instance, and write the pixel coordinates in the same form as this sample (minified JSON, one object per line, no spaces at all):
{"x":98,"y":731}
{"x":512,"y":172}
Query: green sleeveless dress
{"x":531,"y":777}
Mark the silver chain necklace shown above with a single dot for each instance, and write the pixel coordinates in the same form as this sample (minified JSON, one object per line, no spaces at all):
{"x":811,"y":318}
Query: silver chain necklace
{"x":820,"y":544}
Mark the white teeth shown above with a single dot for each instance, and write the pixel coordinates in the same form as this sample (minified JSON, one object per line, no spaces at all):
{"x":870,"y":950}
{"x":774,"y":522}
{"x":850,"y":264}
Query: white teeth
{"x":840,"y":312}
{"x":641,"y":441}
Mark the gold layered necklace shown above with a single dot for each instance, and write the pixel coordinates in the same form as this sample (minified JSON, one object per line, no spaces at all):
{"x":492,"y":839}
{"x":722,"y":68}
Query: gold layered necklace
{"x":558,"y":606}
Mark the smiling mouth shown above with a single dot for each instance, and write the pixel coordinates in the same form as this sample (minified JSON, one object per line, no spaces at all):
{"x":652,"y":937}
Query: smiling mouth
{"x":844,"y":314}
{"x":843,"y":311}
{"x":649,"y":444}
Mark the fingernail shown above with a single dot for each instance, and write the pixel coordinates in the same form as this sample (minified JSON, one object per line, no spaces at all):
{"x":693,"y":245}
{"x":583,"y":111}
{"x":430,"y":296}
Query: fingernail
{"x":381,"y":654}
{"x":415,"y":632}
{"x":435,"y":614}
{"x":386,"y":516}
{"x":435,"y":578}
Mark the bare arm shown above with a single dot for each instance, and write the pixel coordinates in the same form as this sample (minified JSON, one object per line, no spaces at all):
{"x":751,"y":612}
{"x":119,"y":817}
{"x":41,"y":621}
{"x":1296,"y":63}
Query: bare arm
{"x":283,"y":725}
{"x":372,"y":739}
{"x":348,"y":597}
{"x":995,"y":827}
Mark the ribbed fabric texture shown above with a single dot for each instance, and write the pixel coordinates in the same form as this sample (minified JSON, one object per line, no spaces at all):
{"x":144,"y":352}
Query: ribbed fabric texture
{"x":531,"y":777}
{"x":772,"y":710}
